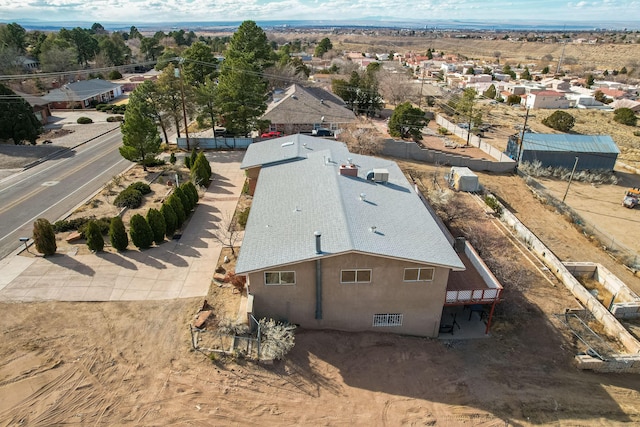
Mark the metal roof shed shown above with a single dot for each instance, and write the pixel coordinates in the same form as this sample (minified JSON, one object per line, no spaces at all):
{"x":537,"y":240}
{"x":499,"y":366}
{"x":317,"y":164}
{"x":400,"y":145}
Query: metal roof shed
{"x":561,"y":150}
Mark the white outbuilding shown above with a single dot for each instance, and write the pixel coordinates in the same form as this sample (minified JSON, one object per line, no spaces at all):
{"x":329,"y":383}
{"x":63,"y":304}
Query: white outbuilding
{"x":462,"y":179}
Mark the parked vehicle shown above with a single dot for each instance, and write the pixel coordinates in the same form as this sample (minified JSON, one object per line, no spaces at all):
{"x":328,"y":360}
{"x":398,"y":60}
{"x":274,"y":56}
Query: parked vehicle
{"x":271,"y":134}
{"x":631,"y":197}
{"x":322,"y":132}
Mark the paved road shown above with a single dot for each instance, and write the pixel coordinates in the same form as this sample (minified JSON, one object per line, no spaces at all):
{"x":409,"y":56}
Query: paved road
{"x":53,"y":188}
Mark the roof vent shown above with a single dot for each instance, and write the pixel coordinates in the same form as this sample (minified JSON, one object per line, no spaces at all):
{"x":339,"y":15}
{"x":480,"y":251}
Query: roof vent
{"x":373,"y":228}
{"x":294,"y":96}
{"x":286,"y":144}
{"x":321,"y":101}
{"x":363,"y":197}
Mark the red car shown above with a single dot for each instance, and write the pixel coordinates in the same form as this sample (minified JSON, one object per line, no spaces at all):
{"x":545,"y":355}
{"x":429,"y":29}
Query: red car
{"x":271,"y":134}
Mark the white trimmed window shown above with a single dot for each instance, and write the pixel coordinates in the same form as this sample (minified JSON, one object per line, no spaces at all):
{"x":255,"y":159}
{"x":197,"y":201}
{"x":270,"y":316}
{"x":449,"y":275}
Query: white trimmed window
{"x":355,"y":276}
{"x":389,"y":319}
{"x":279,"y":277}
{"x":418,"y":274}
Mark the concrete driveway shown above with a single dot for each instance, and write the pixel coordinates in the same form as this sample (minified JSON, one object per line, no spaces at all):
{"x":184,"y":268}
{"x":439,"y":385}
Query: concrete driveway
{"x":176,"y":269}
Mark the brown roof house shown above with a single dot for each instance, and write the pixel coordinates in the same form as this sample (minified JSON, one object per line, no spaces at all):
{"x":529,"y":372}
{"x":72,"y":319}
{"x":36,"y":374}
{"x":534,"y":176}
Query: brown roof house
{"x":301,"y":109}
{"x":39,"y":105}
{"x":337,"y":240}
{"x":80,"y":94}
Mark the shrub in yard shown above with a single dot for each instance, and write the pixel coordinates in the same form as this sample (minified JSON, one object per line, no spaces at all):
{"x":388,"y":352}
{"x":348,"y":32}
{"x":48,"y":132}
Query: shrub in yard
{"x":101,"y":223}
{"x":243,"y":216}
{"x":44,"y":237}
{"x":157,"y":224}
{"x":84,"y":120}
{"x":170,"y":219}
{"x":118,"y":234}
{"x":129,"y":198}
{"x":153,"y":161}
{"x":172,"y":158}
{"x":92,"y":233}
{"x":560,"y":120}
{"x":191,"y":191}
{"x":114,"y":75}
{"x":206,"y":163}
{"x":625,"y":116}
{"x":493,"y":204}
{"x":140,"y":231}
{"x":201,"y":171}
{"x":175,"y":202}
{"x":187,"y":162}
{"x":142,"y":187}
{"x":193,"y":156}
{"x":101,"y":107}
{"x":112,"y":119}
{"x":186,"y":201}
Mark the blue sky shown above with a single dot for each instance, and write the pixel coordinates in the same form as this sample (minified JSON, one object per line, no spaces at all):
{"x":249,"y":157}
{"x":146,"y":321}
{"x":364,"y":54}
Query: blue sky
{"x":147,"y":11}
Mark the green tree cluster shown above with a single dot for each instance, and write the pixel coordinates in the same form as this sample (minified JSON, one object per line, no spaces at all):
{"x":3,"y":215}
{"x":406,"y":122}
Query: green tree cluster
{"x":323,"y":47}
{"x":360,"y":93}
{"x":140,"y":139}
{"x":407,"y":121}
{"x":242,"y":90}
{"x":17,"y":121}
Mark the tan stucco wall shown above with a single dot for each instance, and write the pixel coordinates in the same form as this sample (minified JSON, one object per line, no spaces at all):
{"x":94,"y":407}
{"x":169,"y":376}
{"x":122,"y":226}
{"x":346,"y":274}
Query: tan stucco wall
{"x":352,"y":306}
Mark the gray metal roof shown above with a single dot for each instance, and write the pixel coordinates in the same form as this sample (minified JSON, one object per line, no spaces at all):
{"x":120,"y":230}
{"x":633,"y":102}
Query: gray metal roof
{"x":297,"y":198}
{"x":288,"y":148}
{"x":80,"y":90}
{"x":570,"y":143}
{"x":303,"y":105}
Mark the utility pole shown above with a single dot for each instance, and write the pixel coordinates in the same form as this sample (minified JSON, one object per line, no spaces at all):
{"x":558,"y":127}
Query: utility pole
{"x":469,"y":128}
{"x":421,"y":87}
{"x":570,"y":178}
{"x":564,"y":45}
{"x":184,"y":108}
{"x":524,"y":128}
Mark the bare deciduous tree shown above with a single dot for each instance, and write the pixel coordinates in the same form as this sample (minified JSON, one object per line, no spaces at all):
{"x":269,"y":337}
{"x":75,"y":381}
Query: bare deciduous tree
{"x":362,"y":140}
{"x":395,"y":87}
{"x":228,"y":232}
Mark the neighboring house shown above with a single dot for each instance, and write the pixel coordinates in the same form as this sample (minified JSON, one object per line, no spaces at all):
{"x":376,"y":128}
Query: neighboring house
{"x":594,"y":152}
{"x":39,"y":105}
{"x":626,"y":103}
{"x":546,"y":99}
{"x":337,"y":240}
{"x":80,"y":94}
{"x":303,"y":109}
{"x":28,"y":64}
{"x":131,"y":81}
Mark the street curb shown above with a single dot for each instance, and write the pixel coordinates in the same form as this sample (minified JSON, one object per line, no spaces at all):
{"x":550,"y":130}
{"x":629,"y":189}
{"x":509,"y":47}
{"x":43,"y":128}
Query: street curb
{"x":64,"y":149}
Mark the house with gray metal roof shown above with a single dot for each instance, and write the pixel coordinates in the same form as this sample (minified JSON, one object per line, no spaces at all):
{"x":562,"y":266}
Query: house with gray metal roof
{"x":594,"y":152}
{"x":301,"y":109}
{"x":80,"y":94}
{"x":341,"y":241}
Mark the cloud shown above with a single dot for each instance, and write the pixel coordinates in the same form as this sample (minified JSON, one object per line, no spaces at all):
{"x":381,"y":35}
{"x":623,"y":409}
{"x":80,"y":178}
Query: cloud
{"x":143,"y":11}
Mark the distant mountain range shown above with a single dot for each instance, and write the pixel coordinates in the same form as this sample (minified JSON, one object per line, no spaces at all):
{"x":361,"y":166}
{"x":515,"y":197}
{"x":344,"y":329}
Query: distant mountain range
{"x":370,"y":22}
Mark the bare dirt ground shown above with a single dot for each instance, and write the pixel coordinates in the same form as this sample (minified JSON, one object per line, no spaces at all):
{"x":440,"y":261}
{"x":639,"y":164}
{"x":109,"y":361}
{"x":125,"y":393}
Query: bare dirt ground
{"x":130,"y":363}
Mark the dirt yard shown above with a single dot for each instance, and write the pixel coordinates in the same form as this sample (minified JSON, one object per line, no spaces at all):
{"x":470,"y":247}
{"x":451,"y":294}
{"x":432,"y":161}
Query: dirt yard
{"x":130,"y":363}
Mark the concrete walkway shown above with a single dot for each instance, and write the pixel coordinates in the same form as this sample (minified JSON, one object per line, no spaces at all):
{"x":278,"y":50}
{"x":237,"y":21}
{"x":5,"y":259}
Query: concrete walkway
{"x":176,"y":269}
